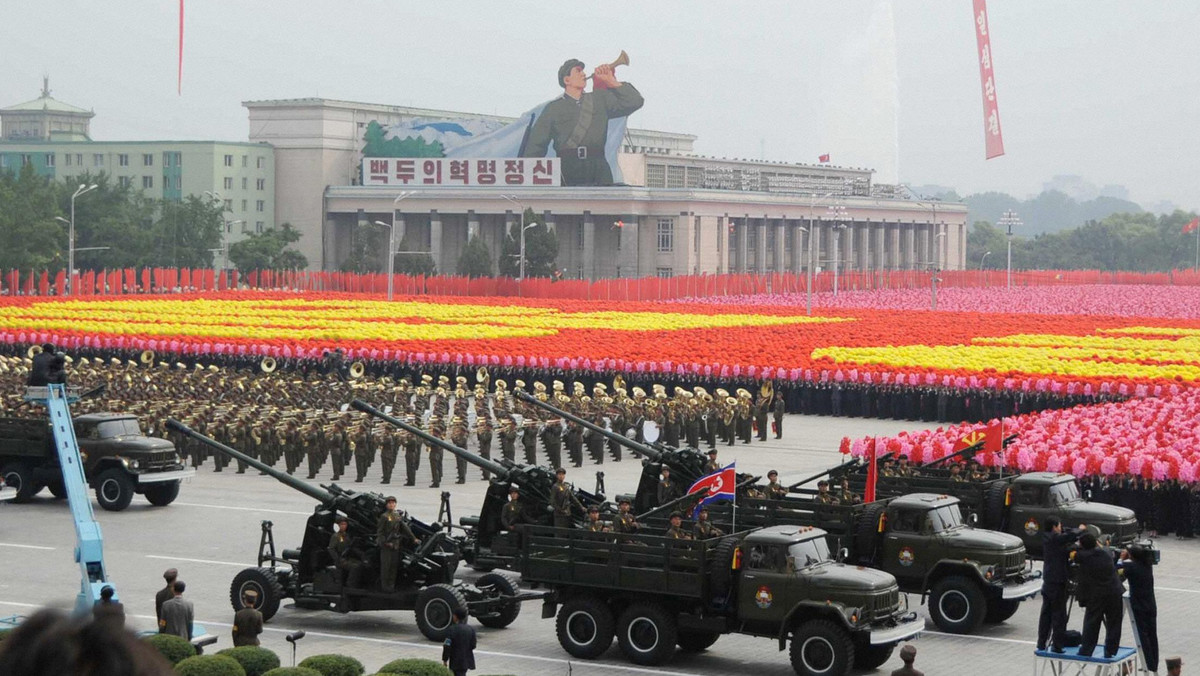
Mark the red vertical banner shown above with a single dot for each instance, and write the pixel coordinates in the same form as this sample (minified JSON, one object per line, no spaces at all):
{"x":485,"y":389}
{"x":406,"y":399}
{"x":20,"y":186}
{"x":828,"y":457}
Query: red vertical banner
{"x":993,"y":139}
{"x":872,"y":471}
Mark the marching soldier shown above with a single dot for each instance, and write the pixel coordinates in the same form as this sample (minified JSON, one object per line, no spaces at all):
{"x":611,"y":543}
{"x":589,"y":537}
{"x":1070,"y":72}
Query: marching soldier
{"x":761,"y":408}
{"x":387,"y":441}
{"x":316,"y":451}
{"x":574,"y":443}
{"x":437,"y":429}
{"x":618,"y":425}
{"x":458,"y":437}
{"x":560,"y":500}
{"x":508,"y":439}
{"x":483,"y":434}
{"x":552,"y":440}
{"x":529,"y":435}
{"x":362,"y":444}
{"x":595,"y":441}
{"x":745,"y":423}
{"x":778,"y":410}
{"x":703,"y":528}
{"x":412,"y":452}
{"x":775,"y":491}
{"x":392,"y":533}
{"x":676,"y":531}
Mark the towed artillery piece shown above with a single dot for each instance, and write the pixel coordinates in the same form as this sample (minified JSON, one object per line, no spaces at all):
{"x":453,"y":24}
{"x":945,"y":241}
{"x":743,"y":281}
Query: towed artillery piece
{"x":425,"y":578}
{"x":488,"y":545}
{"x":686,"y":464}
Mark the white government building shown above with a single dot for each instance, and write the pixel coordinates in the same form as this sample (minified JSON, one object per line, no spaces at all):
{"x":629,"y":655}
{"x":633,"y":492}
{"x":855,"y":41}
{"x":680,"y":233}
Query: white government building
{"x":681,"y":213}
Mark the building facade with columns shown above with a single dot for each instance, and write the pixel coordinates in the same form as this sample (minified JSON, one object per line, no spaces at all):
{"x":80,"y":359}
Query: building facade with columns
{"x":679,"y":212}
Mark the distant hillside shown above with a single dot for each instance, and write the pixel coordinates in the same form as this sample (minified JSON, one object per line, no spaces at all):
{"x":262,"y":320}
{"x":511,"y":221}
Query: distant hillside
{"x":1051,"y":211}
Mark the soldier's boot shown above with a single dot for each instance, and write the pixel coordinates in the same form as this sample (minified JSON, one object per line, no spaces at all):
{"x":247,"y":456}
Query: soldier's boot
{"x":315,"y":460}
{"x":241,"y":467}
{"x":486,"y":453}
{"x":462,"y":470}
{"x":339,"y":464}
{"x":435,"y":469}
{"x":388,"y":460}
{"x":411,"y":462}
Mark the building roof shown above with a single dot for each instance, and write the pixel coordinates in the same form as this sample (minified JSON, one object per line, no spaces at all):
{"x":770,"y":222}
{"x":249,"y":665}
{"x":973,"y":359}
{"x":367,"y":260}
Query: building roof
{"x":48,"y":103}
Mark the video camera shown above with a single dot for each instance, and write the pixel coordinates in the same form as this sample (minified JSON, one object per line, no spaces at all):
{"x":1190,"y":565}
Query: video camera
{"x":1145,"y":552}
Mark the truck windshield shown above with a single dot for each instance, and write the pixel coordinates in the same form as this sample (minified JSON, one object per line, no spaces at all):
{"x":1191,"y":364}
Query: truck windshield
{"x":945,"y":518}
{"x":1061,"y":494}
{"x":808,"y":552}
{"x":118,"y":428}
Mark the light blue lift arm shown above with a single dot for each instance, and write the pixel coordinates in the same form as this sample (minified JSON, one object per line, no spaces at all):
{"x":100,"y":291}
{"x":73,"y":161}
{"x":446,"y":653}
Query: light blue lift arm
{"x":89,"y":547}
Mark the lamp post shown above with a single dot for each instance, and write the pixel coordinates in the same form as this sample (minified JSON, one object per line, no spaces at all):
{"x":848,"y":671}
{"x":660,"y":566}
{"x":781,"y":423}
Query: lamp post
{"x":1008,"y":220}
{"x":521,"y":255}
{"x":812,"y":203}
{"x":983,"y":258}
{"x":838,"y":214}
{"x":934,"y":281}
{"x":81,"y":190}
{"x":391,"y":259}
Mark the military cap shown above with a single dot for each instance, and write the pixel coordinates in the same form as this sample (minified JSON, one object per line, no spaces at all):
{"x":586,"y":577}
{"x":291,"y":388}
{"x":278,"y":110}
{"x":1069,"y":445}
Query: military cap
{"x":250,"y":594}
{"x":342,"y":519}
{"x":390,"y":498}
{"x":712,"y":451}
{"x":772,"y":473}
{"x":514,"y":489}
{"x":623,"y":501}
{"x":593,"y":508}
{"x":676,"y":515}
{"x":560,"y":470}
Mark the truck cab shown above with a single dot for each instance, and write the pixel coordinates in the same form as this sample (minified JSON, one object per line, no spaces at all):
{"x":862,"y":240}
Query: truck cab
{"x":1034,"y":496}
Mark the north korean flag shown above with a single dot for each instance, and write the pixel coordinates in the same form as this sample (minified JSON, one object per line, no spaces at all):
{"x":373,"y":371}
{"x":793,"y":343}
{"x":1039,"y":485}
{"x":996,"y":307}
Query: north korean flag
{"x":721,"y":485}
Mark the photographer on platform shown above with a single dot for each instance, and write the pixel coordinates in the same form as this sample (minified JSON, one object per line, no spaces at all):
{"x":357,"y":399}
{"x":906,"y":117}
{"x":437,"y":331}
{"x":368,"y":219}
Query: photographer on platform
{"x":1136,"y":565}
{"x":1056,"y":544}
{"x":1099,"y":594}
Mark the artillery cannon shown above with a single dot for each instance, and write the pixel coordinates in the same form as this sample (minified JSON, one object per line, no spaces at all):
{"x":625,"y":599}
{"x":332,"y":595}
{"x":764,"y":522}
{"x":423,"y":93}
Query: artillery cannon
{"x":686,"y":464}
{"x":425,"y":579}
{"x":488,"y":544}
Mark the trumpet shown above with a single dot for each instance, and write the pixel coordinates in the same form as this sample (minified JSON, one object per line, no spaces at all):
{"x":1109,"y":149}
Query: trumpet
{"x":622,"y":60}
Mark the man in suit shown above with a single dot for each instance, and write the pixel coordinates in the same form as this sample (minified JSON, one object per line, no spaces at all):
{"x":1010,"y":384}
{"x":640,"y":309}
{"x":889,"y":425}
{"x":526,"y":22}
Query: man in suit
{"x":247,"y":622}
{"x":177,"y":613}
{"x":166,"y":593}
{"x":1055,"y":544}
{"x":458,"y":650}
{"x":1099,"y":593}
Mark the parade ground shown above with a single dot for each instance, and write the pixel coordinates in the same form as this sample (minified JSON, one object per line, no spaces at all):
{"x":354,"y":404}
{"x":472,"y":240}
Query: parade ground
{"x":212,"y":531}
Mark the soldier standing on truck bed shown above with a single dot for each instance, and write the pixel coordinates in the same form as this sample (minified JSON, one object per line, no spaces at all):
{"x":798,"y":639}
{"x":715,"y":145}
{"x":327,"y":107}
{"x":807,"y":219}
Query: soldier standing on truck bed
{"x":560,"y":500}
{"x":513,"y":513}
{"x":624,"y":521}
{"x":392,"y":534}
{"x":595,"y":525}
{"x":703,"y":528}
{"x":667,"y":488}
{"x":676,"y":531}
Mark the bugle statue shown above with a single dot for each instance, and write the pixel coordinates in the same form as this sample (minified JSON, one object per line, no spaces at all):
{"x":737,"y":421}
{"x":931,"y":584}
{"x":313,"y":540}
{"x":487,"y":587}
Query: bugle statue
{"x":622,"y":60}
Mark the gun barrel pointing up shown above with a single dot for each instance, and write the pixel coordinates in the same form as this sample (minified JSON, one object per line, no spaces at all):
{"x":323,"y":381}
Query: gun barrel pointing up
{"x":648,"y":452}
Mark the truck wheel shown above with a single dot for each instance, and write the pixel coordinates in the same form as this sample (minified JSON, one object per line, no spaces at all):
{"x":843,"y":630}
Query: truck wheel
{"x":261,"y":580}
{"x":503,"y":585}
{"x":163,"y":493}
{"x":957,"y":604}
{"x":647,"y":633}
{"x":57,"y":489}
{"x":18,"y":477}
{"x":866,"y":533}
{"x":821,"y":648}
{"x":694,"y":641}
{"x":435,"y":610}
{"x":585,"y":627}
{"x":867,"y":656}
{"x":114,"y":489}
{"x":999,"y":610}
{"x":993,"y":516}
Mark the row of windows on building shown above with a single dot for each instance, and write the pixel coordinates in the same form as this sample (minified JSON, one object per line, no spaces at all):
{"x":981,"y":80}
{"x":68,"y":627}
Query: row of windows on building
{"x":259,"y":183}
{"x":752,"y":179}
{"x":170,"y":159}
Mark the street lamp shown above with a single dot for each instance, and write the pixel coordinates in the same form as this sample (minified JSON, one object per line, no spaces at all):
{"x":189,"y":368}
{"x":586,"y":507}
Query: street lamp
{"x":838,"y":214}
{"x":521,"y":255}
{"x":934,"y":281}
{"x":983,"y":258}
{"x":391,"y":259}
{"x":81,"y":190}
{"x":812,"y":203}
{"x":1008,"y":220}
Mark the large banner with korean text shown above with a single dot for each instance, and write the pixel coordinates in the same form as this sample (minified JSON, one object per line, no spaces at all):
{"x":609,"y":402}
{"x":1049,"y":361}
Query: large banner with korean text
{"x":451,"y":171}
{"x":993,"y":138}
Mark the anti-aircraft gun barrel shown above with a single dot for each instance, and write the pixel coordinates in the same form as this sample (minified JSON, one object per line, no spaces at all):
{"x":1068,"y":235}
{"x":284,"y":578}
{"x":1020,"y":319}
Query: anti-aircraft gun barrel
{"x":314,"y":492}
{"x":477,"y":460}
{"x":649,"y":452}
{"x":832,"y":471}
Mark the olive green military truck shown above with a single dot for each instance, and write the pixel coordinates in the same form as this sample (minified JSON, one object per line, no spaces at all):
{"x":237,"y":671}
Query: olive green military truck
{"x":118,"y":459}
{"x":655,"y":593}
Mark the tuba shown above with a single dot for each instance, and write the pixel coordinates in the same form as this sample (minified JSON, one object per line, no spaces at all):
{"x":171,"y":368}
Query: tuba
{"x":267,"y":365}
{"x":357,"y":369}
{"x":147,"y":357}
{"x":767,"y":391}
{"x":619,"y":382}
{"x":35,"y":349}
{"x":482,"y":377}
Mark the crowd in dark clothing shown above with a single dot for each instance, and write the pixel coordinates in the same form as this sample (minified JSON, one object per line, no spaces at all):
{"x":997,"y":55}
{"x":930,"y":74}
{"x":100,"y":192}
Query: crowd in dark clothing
{"x":1167,"y":507}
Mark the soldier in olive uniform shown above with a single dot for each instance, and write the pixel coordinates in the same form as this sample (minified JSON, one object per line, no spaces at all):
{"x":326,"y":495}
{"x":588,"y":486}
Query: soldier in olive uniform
{"x":362,"y":444}
{"x":560,"y":500}
{"x":595,"y":441}
{"x":483,"y":434}
{"x":513,"y":513}
{"x":247,"y":622}
{"x":823,"y":495}
{"x":775,"y":491}
{"x":625,"y":521}
{"x":508,"y":440}
{"x":777,"y":410}
{"x":340,"y":550}
{"x":392,"y":535}
{"x":712,"y":465}
{"x":676,"y":531}
{"x":552,"y":440}
{"x":387,"y":441}
{"x":595,"y":525}
{"x":847,"y":496}
{"x":761,"y":408}
{"x":956,"y":473}
{"x":412,"y":452}
{"x":703,"y":528}
{"x":458,"y":437}
{"x":438,"y":429}
{"x":529,"y":435}
{"x":667,"y":488}
{"x":574,"y":443}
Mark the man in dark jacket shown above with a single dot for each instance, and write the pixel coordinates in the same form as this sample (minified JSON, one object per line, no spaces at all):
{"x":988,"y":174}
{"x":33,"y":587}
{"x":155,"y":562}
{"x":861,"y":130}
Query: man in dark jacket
{"x":1136,"y":565}
{"x":1099,"y":593}
{"x":247,"y":622}
{"x":1055,"y":544}
{"x":458,"y":651}
{"x":39,"y":372}
{"x":166,"y":593}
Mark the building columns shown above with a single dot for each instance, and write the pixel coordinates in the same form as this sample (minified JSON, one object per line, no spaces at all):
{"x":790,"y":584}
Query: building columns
{"x":435,"y":241}
{"x":589,"y":246}
{"x":742,"y":234}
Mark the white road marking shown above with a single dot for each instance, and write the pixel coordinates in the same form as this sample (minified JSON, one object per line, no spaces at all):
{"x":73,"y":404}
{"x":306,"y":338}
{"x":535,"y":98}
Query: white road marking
{"x":241,"y":509}
{"x":19,"y":605}
{"x":180,"y":558}
{"x":8,"y":544}
{"x":1173,"y":589}
{"x":979,"y":638}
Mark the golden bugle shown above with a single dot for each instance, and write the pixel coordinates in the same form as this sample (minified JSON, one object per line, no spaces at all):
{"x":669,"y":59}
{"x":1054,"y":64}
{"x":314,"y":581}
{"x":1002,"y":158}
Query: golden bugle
{"x":622,"y":60}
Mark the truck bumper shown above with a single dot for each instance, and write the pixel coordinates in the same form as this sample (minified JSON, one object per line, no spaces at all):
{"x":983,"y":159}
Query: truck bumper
{"x":159,"y":477}
{"x":910,"y":626}
{"x":1021,"y":589}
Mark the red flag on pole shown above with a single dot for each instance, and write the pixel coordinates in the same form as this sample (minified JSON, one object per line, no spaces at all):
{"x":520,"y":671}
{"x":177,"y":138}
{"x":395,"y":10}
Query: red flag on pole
{"x":872,"y":472}
{"x":1191,"y":225}
{"x":824,"y":159}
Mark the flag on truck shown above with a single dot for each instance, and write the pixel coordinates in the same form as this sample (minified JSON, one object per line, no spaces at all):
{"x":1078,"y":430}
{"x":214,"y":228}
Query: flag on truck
{"x":872,"y":472}
{"x":721,"y":485}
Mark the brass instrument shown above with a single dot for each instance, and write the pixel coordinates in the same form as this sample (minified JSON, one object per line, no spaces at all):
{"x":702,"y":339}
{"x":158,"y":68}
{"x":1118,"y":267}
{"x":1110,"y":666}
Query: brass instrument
{"x":267,"y":365}
{"x":357,"y":369}
{"x":147,"y":357}
{"x":35,"y":349}
{"x":767,"y":391}
{"x":482,"y":377}
{"x":619,"y":382}
{"x":622,"y":60}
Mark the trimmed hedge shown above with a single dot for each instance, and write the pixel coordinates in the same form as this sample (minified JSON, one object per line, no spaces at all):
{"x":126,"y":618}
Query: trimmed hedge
{"x":334,"y":665}
{"x":210,"y":665}
{"x":254,"y":659}
{"x":174,"y":648}
{"x":293,"y":671}
{"x":415,"y":667}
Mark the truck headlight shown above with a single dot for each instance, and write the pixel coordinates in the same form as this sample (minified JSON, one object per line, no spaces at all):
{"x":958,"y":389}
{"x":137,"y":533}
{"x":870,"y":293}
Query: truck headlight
{"x":989,"y":572}
{"x":133,"y":464}
{"x":853,"y":615}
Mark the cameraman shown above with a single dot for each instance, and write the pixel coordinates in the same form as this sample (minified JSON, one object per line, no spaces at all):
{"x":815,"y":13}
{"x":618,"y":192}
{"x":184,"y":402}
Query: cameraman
{"x":1136,"y":565}
{"x":1056,"y":542}
{"x":1100,"y":594}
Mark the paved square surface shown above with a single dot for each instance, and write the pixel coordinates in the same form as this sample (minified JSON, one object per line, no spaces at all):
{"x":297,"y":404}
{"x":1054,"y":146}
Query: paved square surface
{"x":212,"y":532}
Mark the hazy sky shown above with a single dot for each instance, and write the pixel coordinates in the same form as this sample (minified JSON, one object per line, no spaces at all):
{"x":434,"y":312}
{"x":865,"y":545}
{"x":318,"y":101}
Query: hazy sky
{"x":1104,"y":89}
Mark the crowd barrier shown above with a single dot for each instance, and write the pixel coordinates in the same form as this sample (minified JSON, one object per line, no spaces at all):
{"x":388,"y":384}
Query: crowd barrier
{"x":183,"y":280}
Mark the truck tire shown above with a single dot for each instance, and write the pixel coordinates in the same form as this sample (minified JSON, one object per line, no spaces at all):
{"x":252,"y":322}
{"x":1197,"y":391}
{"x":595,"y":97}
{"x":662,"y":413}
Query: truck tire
{"x":999,"y":610}
{"x":696,"y":641}
{"x":261,"y":580}
{"x":18,"y":476}
{"x":57,"y":489}
{"x":866,"y":533}
{"x":994,"y":512}
{"x":821,"y":648}
{"x":720,"y":572}
{"x":114,"y":489}
{"x":867,"y":656}
{"x":435,"y":610}
{"x":162,"y":493}
{"x":504,"y":585}
{"x":647,"y":633}
{"x":957,"y":604}
{"x":585,"y":627}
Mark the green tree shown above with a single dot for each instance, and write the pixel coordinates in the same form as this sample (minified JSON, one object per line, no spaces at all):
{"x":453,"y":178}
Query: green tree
{"x":982,"y":238}
{"x":113,"y":216}
{"x":30,"y":237}
{"x":541,"y":249}
{"x":186,"y":232}
{"x":413,"y":263}
{"x":268,"y":251}
{"x":475,"y":260}
{"x":376,"y":145}
{"x":368,"y":249}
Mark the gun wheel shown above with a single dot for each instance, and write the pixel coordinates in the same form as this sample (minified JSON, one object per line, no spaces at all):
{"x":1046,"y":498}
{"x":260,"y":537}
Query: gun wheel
{"x":502,"y":585}
{"x":435,"y":610}
{"x":261,"y":580}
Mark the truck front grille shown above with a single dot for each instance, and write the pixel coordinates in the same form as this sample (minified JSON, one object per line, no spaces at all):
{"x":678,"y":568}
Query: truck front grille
{"x":160,"y":460}
{"x":885,"y":604}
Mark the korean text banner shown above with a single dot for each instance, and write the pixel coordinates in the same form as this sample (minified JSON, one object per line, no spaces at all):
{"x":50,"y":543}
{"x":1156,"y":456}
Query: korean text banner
{"x":993,"y":137}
